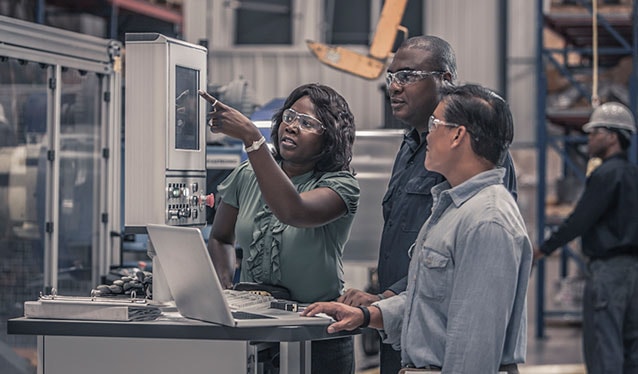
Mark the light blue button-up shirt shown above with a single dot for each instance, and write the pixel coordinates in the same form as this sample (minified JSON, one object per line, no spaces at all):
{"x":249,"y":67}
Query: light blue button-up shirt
{"x":465,"y":305}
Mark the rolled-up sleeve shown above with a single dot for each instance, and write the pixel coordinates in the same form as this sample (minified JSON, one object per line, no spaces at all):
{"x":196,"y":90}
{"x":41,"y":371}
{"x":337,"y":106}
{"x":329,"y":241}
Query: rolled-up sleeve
{"x":392,"y":310}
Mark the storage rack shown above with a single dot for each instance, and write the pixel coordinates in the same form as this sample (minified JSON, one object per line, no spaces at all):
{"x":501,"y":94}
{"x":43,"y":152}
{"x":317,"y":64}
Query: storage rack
{"x":121,"y":16}
{"x":617,"y":37}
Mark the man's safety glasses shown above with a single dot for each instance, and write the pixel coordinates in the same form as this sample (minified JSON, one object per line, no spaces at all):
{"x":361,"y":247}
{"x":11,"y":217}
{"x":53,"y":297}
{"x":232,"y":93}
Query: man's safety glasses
{"x":405,"y":77}
{"x":433,"y":123}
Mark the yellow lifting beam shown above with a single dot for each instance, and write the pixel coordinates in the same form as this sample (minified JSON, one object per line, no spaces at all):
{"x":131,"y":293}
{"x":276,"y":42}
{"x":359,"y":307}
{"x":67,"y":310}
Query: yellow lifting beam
{"x":368,"y":66}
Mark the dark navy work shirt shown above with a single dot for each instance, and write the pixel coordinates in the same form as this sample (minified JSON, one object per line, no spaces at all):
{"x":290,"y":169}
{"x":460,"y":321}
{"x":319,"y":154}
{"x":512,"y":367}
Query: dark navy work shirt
{"x":407,"y":204}
{"x":605,"y":215}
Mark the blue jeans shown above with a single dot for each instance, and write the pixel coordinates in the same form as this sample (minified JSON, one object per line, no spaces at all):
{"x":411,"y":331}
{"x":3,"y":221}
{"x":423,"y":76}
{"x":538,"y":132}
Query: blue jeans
{"x":610,"y":316}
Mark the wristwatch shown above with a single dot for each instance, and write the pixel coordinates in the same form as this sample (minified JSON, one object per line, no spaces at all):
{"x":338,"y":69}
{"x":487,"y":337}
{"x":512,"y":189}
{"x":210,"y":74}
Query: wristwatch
{"x":256,"y":145}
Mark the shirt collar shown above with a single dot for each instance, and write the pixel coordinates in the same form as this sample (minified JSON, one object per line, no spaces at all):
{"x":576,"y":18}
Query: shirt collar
{"x":413,"y":139}
{"x":464,"y":191}
{"x":621,"y":155}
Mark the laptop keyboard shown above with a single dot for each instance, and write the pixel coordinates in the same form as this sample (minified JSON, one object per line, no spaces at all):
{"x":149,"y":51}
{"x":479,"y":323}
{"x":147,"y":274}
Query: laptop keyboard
{"x":245,"y":315}
{"x":242,"y":299}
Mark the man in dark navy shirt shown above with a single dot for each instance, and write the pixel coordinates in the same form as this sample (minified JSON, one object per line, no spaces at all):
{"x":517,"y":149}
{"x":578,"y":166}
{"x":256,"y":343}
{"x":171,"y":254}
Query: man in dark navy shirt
{"x":420,"y":66}
{"x":605,"y":217}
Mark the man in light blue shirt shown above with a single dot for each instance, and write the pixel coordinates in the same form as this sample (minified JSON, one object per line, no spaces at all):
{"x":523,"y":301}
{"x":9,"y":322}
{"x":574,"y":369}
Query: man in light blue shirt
{"x":464,"y":310}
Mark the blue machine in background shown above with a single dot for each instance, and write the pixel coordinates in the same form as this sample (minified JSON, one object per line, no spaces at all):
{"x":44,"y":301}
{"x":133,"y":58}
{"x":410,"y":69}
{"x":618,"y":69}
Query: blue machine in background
{"x":265,"y":112}
{"x":225,"y":154}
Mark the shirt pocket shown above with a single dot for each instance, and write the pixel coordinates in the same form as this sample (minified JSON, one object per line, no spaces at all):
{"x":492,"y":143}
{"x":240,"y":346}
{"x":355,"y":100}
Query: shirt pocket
{"x":435,"y":272}
{"x":417,"y":204}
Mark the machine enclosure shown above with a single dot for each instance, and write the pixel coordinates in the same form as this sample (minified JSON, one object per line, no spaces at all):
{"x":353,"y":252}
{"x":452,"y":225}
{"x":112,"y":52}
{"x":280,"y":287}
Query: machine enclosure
{"x":165,"y":132}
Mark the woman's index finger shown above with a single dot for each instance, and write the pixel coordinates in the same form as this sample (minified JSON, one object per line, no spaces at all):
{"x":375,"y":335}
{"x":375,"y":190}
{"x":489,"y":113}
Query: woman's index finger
{"x":208,"y":97}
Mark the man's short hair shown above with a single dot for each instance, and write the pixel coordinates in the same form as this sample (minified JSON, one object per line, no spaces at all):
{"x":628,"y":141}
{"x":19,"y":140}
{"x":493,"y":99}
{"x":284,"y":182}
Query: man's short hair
{"x":486,"y":116}
{"x":441,"y":55}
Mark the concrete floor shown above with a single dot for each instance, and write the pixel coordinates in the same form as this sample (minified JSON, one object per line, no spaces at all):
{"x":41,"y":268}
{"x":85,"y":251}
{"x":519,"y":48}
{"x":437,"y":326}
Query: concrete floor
{"x":558,"y":352}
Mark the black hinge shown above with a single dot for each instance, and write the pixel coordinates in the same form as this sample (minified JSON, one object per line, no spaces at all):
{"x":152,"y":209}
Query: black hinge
{"x":51,"y":155}
{"x":105,"y":218}
{"x":107,"y":97}
{"x":106,"y":153}
{"x":48,"y":227}
{"x":52,"y":83}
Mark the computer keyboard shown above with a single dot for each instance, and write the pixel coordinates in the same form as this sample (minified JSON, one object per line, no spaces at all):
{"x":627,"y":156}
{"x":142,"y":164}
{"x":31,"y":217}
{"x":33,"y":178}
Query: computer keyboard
{"x":245,"y":315}
{"x":242,"y":299}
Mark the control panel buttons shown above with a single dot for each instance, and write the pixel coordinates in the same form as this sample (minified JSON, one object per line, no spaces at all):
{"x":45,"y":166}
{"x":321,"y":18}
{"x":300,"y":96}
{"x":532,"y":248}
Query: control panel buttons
{"x":185,"y":202}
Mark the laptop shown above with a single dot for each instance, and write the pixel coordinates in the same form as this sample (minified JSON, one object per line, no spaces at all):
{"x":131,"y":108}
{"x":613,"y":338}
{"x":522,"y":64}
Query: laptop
{"x":194,"y":284}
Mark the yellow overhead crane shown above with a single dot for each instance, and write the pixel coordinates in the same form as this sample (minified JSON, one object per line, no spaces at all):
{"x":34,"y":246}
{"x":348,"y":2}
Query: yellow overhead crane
{"x":368,"y":66}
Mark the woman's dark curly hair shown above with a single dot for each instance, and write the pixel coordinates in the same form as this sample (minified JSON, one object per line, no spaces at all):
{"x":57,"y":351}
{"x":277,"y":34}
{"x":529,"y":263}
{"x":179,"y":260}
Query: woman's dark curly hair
{"x":334,"y":113}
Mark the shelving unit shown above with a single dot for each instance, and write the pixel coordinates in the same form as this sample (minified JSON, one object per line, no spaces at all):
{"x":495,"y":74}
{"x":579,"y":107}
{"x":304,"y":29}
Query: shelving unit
{"x":617,"y":39}
{"x":122,"y":16}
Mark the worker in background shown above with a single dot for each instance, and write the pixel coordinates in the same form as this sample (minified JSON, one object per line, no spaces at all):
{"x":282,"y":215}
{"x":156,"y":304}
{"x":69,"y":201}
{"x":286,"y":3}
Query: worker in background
{"x":291,"y":212}
{"x":606,"y":218}
{"x":421,"y":66}
{"x":464,"y":310}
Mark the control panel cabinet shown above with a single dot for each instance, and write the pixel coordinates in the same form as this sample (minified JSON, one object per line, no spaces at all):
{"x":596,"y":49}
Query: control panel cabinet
{"x":165,"y":132}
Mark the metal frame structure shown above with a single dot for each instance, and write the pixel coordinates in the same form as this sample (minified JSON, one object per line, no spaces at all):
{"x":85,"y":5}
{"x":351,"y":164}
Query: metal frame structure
{"x":608,"y":47}
{"x":61,"y":49}
{"x":56,"y":51}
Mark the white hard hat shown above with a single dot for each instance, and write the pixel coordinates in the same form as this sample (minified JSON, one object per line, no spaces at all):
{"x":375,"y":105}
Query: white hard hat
{"x":611,"y":115}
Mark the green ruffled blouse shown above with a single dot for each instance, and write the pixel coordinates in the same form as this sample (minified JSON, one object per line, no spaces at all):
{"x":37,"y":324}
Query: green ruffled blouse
{"x":307,"y":261}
